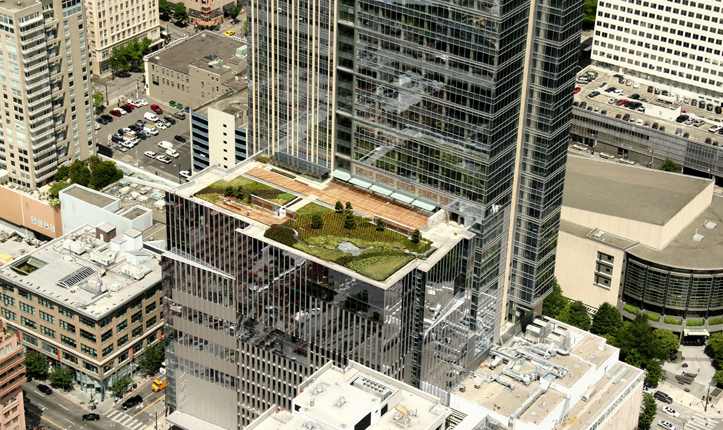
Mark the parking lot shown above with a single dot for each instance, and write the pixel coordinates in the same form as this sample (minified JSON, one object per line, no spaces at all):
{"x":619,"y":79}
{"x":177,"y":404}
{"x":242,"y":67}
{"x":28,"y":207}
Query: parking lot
{"x":135,"y":155}
{"x":657,"y":109}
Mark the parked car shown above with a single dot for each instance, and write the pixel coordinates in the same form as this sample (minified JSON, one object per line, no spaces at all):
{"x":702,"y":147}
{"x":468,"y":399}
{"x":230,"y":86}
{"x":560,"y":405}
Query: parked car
{"x":583,"y":105}
{"x":91,"y":417}
{"x":686,"y":135}
{"x":681,"y":118}
{"x":163,"y":159}
{"x":230,"y":33}
{"x":577,"y":90}
{"x":662,"y":128}
{"x":593,"y":94}
{"x":120,"y":147}
{"x":718,"y":110}
{"x":142,"y":102}
{"x":655,"y":126}
{"x":115,"y":112}
{"x":132,"y":401}
{"x":650,"y":89}
{"x":618,"y":116}
{"x":170,"y":120}
{"x":45,"y":389}
{"x":185,"y":173}
{"x":107,"y":118}
{"x":157,"y":109}
{"x":101,"y":120}
{"x":180,"y":138}
{"x":701,"y":104}
{"x":150,"y":154}
{"x":678,"y":131}
{"x":179,"y":115}
{"x":626,"y":117}
{"x":171,"y":103}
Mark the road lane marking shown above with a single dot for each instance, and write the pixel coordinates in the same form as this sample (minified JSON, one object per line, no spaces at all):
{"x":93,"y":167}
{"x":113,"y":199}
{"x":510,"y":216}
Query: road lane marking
{"x":159,"y":399}
{"x":43,"y":418}
{"x":62,"y":406}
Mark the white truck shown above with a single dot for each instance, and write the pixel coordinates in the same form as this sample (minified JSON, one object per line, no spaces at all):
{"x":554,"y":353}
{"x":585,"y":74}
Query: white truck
{"x":150,"y":117}
{"x":165,"y":144}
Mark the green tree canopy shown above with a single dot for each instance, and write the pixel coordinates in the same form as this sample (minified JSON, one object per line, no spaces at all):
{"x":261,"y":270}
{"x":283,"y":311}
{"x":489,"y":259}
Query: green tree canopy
{"x":57,"y":188}
{"x":654,"y":372}
{"x":317,"y":222}
{"x":180,"y":13}
{"x":670,"y":166}
{"x":79,"y":173}
{"x":150,"y":361}
{"x":164,"y":9}
{"x":119,"y":385}
{"x":60,"y":377}
{"x":103,"y":173}
{"x":715,"y":347}
{"x":648,"y":410}
{"x":555,"y":302}
{"x":62,"y":173}
{"x":380,"y":225}
{"x":607,"y":320}
{"x":36,"y":364}
{"x":349,"y":221}
{"x":416,"y":236}
{"x":635,"y":339}
{"x":668,"y":342}
{"x":98,"y":100}
{"x":129,"y":56}
{"x":718,"y":377}
{"x":339,"y":207}
{"x":245,"y":28}
{"x":576,"y":315}
{"x":234,"y":12}
{"x":590,"y":11}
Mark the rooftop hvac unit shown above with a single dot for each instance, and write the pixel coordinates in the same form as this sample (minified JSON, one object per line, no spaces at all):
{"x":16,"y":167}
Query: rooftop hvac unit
{"x":698,"y":237}
{"x":136,"y":272}
{"x":341,"y":402}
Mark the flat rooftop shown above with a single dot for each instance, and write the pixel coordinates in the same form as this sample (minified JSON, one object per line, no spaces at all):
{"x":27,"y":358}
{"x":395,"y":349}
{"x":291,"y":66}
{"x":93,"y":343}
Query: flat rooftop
{"x":235,"y":104}
{"x":489,"y":385}
{"x":88,"y":196}
{"x":653,"y":113}
{"x":89,"y":288}
{"x":635,"y":193}
{"x":684,"y":252}
{"x":196,"y":48}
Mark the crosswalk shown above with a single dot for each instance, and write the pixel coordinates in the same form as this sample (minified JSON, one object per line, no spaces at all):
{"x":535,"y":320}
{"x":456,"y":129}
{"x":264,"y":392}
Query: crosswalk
{"x":125,"y":420}
{"x":700,"y":422}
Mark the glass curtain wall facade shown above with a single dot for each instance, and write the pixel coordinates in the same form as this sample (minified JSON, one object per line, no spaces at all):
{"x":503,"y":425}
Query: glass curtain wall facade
{"x":246,"y":321}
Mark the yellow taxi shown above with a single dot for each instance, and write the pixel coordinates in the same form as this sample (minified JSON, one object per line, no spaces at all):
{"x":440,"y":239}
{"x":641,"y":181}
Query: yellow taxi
{"x":230,"y":33}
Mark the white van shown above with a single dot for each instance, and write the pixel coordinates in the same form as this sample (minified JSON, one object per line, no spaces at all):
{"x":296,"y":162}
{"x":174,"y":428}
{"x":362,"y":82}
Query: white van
{"x":583,"y":79}
{"x":165,"y":144}
{"x":172,"y":153}
{"x":150,"y":117}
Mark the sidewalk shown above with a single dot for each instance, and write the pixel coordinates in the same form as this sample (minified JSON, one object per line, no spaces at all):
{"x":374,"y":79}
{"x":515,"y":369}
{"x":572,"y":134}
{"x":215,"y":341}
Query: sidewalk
{"x":83,"y":399}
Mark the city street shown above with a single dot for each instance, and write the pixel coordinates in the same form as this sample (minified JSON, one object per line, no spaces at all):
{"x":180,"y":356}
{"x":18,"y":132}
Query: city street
{"x":57,"y":412}
{"x":688,"y":419}
{"x":135,"y":156}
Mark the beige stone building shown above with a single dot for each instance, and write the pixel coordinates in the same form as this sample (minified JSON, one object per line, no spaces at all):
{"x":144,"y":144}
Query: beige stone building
{"x":197,"y":70}
{"x":90,"y":300}
{"x":646,"y":238}
{"x":113,"y":23}
{"x":45,"y":75}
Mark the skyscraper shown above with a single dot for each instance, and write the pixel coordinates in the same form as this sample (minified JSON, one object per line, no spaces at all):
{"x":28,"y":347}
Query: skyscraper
{"x":448,"y":118}
{"x":46,"y":89}
{"x":464,"y":104}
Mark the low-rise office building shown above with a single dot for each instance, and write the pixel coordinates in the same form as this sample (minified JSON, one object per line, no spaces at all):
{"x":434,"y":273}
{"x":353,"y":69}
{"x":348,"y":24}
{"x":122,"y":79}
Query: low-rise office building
{"x":645,"y":238}
{"x":554,"y":376}
{"x":196,"y":70}
{"x":89,"y":300}
{"x":80,"y":205}
{"x":354,"y":397}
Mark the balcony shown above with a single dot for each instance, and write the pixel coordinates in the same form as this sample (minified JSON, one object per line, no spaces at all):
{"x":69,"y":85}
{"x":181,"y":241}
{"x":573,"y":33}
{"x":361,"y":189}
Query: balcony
{"x":29,"y":30}
{"x":12,"y":386}
{"x":26,"y":41}
{"x":34,"y":103}
{"x":31,"y":76}
{"x":41,"y":135}
{"x":49,"y":139}
{"x":14,"y":373}
{"x":48,"y":175}
{"x":28,"y":58}
{"x":37,"y":121}
{"x":49,"y":150}
{"x":34,"y":66}
{"x":42,"y":80}
{"x":52,"y":165}
{"x":34,"y":48}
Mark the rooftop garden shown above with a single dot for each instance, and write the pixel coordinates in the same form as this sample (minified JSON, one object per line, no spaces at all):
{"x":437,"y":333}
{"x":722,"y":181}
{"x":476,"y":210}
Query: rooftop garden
{"x":241,"y":189}
{"x":27,"y":265}
{"x":352,"y":241}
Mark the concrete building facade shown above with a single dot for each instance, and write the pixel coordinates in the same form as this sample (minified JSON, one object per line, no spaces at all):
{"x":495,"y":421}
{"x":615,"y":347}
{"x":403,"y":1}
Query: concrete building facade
{"x":12,"y":404}
{"x":197,"y":70}
{"x":80,"y":206}
{"x":46,"y":81}
{"x":30,"y":210}
{"x":218,"y":133}
{"x":89,"y":301}
{"x":677,"y":43}
{"x":644,"y":238}
{"x":113,"y":23}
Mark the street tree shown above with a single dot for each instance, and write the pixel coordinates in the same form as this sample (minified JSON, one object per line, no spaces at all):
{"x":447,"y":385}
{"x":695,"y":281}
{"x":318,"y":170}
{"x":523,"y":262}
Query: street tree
{"x":180,"y":13}
{"x":164,"y":9}
{"x":667,"y":341}
{"x":60,"y":377}
{"x":715,"y":347}
{"x":245,"y":28}
{"x":607,"y":320}
{"x":648,"y":410}
{"x":555,"y":302}
{"x":234,"y":12}
{"x":635,"y":339}
{"x":589,"y":13}
{"x":36,"y":365}
{"x":150,"y":361}
{"x":119,"y":385}
{"x":718,"y":377}
{"x":654,"y":372}
{"x":98,"y":100}
{"x":576,"y":315}
{"x":669,"y":166}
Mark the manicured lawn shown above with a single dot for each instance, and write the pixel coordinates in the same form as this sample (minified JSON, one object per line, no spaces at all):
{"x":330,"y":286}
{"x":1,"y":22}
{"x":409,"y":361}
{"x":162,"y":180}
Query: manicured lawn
{"x":313,"y":208}
{"x":241,"y":188}
{"x":384,"y":253}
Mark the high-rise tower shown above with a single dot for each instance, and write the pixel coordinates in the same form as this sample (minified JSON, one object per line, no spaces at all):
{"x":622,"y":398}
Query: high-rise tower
{"x":464,"y":104}
{"x":46,"y":89}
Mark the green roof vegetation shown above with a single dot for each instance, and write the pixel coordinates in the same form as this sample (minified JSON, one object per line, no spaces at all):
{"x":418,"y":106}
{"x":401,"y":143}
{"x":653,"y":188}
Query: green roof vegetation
{"x":240,"y":189}
{"x":363,"y":248}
